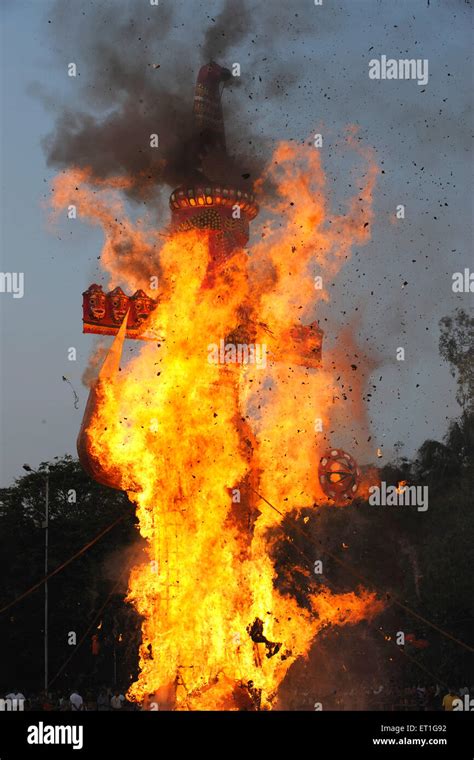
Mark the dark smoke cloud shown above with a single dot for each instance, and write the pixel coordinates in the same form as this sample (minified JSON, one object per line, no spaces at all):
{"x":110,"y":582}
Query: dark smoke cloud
{"x":136,"y":77}
{"x":231,"y":27}
{"x":116,"y":49}
{"x":134,"y":81}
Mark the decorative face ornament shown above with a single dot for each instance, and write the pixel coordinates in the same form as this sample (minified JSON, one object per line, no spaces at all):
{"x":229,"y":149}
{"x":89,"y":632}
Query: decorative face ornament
{"x":119,"y":304}
{"x":143,"y":306}
{"x":97,"y":303}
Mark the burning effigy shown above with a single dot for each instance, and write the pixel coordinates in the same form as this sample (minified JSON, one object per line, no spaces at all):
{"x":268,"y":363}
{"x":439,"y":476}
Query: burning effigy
{"x":218,"y":409}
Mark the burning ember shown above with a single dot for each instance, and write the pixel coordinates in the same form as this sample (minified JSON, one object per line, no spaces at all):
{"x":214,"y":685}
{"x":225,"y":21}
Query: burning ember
{"x":194,"y":428}
{"x":402,"y":486}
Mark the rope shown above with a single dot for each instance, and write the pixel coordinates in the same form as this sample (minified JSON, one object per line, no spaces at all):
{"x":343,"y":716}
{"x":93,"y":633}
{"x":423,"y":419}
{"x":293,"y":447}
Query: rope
{"x":399,"y":649}
{"x":366,"y":582}
{"x":62,"y":566}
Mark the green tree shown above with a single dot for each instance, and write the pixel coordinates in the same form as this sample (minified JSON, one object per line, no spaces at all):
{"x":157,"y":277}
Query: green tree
{"x":79,"y":510}
{"x":456,"y":346}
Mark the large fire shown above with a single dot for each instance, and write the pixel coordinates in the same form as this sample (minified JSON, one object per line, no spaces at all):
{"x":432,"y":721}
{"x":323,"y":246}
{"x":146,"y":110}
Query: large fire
{"x":195,"y":442}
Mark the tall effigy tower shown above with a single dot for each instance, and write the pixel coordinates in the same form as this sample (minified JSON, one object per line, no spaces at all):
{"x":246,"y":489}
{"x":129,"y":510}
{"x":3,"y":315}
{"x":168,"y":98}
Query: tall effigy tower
{"x":222,"y":208}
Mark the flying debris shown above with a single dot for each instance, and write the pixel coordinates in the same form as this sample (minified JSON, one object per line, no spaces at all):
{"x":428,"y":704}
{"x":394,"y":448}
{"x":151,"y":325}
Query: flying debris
{"x":76,"y":397}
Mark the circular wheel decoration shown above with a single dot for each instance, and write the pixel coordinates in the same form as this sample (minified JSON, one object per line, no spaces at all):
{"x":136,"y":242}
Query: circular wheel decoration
{"x":339,"y":475}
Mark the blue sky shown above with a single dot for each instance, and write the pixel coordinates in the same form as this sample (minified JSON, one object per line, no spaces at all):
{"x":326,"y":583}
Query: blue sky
{"x":422,"y":138}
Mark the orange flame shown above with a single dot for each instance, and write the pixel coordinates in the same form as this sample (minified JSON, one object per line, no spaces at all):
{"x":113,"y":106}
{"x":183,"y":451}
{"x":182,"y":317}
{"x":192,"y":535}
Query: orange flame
{"x":401,"y":486}
{"x":193,"y":442}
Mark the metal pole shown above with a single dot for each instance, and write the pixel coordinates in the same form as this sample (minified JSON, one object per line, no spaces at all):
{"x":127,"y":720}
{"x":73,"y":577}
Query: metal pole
{"x":46,"y":526}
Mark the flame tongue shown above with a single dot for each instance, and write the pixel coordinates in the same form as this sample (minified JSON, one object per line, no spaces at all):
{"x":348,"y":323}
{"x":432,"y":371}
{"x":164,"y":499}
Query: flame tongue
{"x":171,"y":428}
{"x":192,"y":438}
{"x":104,"y":385}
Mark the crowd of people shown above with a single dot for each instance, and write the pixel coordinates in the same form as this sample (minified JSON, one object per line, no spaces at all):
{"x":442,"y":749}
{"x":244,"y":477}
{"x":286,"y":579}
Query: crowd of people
{"x":381,"y":697}
{"x":427,"y":698}
{"x":105,"y":700}
{"x":378,"y":697}
{"x":420,"y":698}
